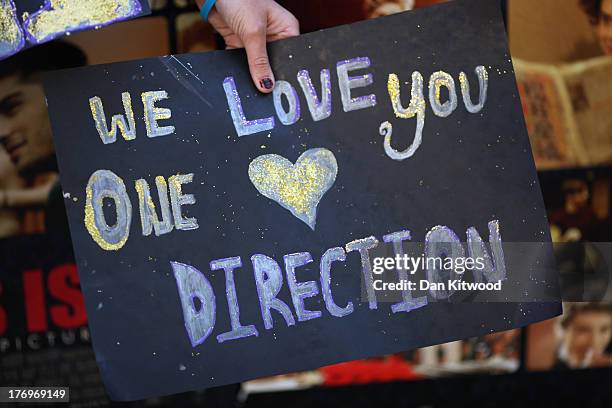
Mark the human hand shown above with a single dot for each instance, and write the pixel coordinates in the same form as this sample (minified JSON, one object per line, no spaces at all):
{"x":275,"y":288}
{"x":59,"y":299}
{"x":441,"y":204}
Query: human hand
{"x":250,"y":24}
{"x":600,"y":360}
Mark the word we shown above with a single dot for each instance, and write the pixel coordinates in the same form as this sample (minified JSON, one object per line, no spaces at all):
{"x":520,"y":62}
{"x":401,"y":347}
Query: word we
{"x":126,"y":124}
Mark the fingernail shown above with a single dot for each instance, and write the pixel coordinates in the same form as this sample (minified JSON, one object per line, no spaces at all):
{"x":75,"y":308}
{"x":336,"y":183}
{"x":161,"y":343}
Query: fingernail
{"x":267,"y":83}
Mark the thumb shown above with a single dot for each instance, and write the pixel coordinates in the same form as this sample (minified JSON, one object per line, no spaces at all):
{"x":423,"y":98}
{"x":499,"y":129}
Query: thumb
{"x":259,"y":65}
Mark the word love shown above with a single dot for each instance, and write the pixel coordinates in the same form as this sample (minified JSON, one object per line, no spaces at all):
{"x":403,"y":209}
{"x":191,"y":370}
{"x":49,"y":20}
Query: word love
{"x":320,"y":103}
{"x":57,"y":17}
{"x":198,"y":300}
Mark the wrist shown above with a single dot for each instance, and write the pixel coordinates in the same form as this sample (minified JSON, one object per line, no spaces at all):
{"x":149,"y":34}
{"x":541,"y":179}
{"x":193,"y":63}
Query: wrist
{"x":205,"y":7}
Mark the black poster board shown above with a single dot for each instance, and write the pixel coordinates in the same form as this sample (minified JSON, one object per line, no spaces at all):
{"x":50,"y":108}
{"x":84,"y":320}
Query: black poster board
{"x":200,"y":125}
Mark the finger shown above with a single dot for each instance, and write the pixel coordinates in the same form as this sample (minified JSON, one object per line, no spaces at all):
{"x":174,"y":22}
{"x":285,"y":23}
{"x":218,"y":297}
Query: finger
{"x":232,"y":43}
{"x":259,"y":65}
{"x":286,"y":24}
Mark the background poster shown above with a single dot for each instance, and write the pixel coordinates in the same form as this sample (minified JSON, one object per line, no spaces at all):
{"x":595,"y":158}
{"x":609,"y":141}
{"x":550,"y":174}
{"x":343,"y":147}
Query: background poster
{"x":470,"y":169}
{"x":44,"y":339}
{"x":28,"y":23}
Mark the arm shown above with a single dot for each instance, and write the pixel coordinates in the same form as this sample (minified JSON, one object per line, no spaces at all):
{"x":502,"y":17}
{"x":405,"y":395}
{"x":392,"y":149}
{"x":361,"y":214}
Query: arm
{"x":250,"y":24}
{"x":27,"y":197}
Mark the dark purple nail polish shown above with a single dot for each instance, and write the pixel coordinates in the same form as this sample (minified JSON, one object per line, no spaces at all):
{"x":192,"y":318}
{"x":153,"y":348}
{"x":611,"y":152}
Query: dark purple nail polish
{"x":267,"y":83}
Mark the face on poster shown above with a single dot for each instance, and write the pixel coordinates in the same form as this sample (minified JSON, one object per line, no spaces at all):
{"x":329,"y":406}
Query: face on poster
{"x":223,"y":235}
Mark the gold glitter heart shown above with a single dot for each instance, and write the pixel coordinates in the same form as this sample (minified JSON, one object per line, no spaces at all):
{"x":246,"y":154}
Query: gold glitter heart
{"x":297,"y":187}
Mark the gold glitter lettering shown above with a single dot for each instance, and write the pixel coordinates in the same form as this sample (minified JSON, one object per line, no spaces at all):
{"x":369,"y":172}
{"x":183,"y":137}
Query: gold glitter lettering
{"x":11,"y":35}
{"x":148,"y":212}
{"x":63,"y":16}
{"x":106,"y":184}
{"x":128,"y":130}
{"x":154,"y":113}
